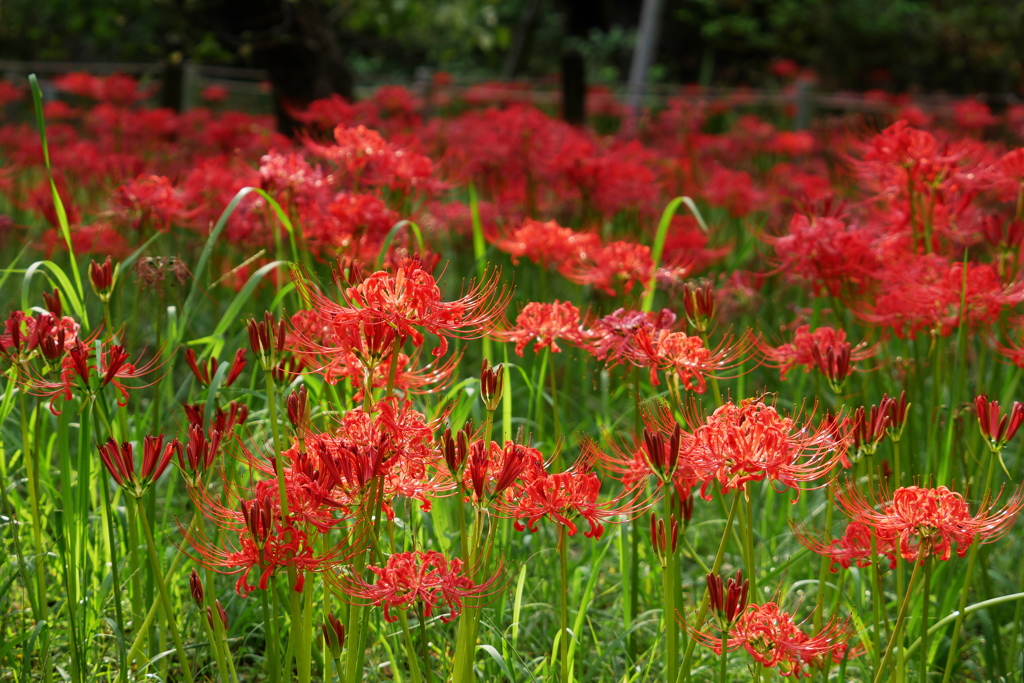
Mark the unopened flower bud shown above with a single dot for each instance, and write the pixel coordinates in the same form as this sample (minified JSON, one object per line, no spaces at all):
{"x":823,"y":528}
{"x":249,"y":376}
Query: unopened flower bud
{"x":102,"y":277}
{"x":195,"y":585}
{"x":699,"y":303}
{"x":220,"y":613}
{"x":52,"y":302}
{"x":334,"y":635}
{"x":492,"y":381}
{"x":298,"y":408}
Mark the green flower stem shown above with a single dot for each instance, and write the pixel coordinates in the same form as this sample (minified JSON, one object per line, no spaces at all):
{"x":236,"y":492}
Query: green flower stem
{"x":424,"y":645}
{"x":28,"y":452}
{"x":669,"y":596}
{"x":924,"y":619}
{"x":823,"y":569}
{"x":114,"y":571}
{"x":684,"y":672}
{"x":410,"y":648}
{"x":971,"y":560}
{"x":165,"y":599}
{"x":297,"y":638}
{"x":563,"y":607}
{"x":270,"y":625}
{"x":897,"y":630}
{"x":134,"y":563}
{"x":723,"y":666}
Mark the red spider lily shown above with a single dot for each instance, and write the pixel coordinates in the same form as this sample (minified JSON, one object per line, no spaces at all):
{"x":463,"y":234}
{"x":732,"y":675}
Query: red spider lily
{"x":775,"y":640}
{"x":266,"y":339}
{"x":491,"y":469}
{"x":825,"y":348}
{"x":198,"y":455}
{"x":752,"y":442}
{"x":204,"y":373}
{"x":927,"y":521}
{"x":48,"y":334}
{"x":926,"y":294}
{"x":548,"y":244}
{"x":997,"y":429}
{"x":686,"y":356}
{"x":614,"y":333}
{"x":224,"y":421}
{"x":265,"y":542}
{"x":858,"y":545}
{"x":119,"y":461}
{"x":409,"y":299}
{"x":424,"y":577}
{"x":113,"y":368}
{"x":564,"y":496}
{"x":278,"y":547}
{"x":616,"y":263}
{"x":662,"y":453}
{"x":546,"y":324}
{"x":729,"y":600}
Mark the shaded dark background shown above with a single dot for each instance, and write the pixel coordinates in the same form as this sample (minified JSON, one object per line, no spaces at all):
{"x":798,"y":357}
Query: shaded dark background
{"x":317,"y":45}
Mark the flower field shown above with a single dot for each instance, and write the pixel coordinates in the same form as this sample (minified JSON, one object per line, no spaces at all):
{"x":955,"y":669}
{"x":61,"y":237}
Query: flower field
{"x":450,"y":390}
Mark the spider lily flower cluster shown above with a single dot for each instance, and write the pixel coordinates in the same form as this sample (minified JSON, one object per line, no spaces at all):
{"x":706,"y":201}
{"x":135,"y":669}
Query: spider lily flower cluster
{"x":357,"y":501}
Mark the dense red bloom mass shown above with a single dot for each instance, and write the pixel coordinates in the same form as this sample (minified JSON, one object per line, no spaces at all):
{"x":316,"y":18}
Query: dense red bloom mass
{"x":564,"y":496}
{"x":927,"y":521}
{"x":546,"y":324}
{"x":426,"y":577}
{"x":774,"y":639}
{"x":682,"y":355}
{"x":752,"y":442}
{"x":409,"y":302}
{"x":808,"y":347}
{"x":548,"y":243}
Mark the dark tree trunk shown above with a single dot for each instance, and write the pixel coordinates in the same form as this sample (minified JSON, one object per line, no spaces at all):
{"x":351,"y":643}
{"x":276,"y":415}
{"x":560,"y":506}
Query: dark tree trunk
{"x":294,"y":42}
{"x":574,"y":87}
{"x":581,"y":17}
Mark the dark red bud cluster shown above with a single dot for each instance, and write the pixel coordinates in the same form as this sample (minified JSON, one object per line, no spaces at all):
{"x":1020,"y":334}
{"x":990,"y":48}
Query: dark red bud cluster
{"x":870,"y":425}
{"x":997,"y":428}
{"x":663,"y":455}
{"x":334,"y":635}
{"x":896,"y":409}
{"x":223,"y":421}
{"x":52,"y":302}
{"x":514,"y":459}
{"x":197,"y":456}
{"x":266,"y":339}
{"x":195,"y":585}
{"x":729,"y":600}
{"x":206,"y":371}
{"x":455,"y":450}
{"x":220,"y":613}
{"x":834,"y":362}
{"x":120,"y":462}
{"x":298,"y":408}
{"x":102,"y":278}
{"x":258,"y":516}
{"x":492,"y":381}
{"x":664,"y":540}
{"x":699,"y":301}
